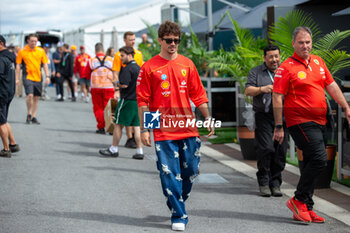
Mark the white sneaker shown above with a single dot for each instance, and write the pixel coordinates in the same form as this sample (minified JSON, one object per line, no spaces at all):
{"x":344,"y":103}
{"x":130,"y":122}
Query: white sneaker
{"x":59,"y":96}
{"x":179,"y":226}
{"x":87,"y":100}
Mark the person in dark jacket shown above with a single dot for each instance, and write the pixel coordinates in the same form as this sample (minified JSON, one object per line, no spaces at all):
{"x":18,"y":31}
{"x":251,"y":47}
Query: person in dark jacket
{"x":65,"y":71}
{"x":7,"y":92}
{"x":271,"y":154}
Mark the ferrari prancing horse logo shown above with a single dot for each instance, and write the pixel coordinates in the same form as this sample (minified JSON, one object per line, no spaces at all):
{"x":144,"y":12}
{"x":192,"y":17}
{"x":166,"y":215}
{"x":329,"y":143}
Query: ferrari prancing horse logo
{"x":183,"y":72}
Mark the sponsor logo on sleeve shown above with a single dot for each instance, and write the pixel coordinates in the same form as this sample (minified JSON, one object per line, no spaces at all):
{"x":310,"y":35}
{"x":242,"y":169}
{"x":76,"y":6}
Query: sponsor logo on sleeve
{"x":278,"y":73}
{"x":322,"y":72}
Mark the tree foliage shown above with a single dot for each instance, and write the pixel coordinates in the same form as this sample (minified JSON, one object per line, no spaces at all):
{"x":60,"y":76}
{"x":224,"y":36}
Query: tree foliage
{"x":326,"y":46}
{"x":246,"y":53}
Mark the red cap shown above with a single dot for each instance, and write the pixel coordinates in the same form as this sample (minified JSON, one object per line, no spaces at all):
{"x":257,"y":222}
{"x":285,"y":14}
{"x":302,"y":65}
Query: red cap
{"x":82,"y":47}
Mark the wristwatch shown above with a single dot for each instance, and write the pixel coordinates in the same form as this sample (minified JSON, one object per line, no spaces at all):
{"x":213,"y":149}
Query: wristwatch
{"x":278,"y":126}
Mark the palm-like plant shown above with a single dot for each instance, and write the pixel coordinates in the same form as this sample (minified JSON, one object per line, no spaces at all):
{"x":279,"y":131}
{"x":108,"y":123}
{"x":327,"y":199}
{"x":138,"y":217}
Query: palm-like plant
{"x":325,"y":46}
{"x":246,"y":53}
{"x":196,"y":51}
{"x":150,"y":51}
{"x":282,"y":32}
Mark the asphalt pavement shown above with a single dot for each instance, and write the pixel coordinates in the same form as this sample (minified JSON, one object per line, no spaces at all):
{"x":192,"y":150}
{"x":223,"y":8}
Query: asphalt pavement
{"x":59,"y":183}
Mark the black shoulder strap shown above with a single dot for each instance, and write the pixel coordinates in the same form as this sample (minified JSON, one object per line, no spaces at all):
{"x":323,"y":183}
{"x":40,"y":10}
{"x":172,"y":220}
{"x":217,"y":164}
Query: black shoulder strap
{"x":306,"y":66}
{"x":102,"y":63}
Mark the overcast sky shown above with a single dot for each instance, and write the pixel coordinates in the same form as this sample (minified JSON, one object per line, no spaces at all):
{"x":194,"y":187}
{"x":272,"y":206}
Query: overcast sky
{"x":38,"y":15}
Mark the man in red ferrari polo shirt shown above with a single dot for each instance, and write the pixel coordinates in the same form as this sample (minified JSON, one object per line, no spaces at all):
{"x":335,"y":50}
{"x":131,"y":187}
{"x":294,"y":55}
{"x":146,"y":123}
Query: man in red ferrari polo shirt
{"x":165,"y":86}
{"x":81,"y":71}
{"x":301,"y":81}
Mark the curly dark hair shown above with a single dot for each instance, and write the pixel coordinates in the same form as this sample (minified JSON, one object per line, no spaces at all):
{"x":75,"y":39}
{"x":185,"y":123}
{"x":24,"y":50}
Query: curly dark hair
{"x":169,"y":28}
{"x":127,"y":50}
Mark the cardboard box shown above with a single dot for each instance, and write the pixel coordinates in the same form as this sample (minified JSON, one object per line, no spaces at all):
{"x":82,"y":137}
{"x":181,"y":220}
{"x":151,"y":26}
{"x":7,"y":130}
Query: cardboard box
{"x":109,"y":114}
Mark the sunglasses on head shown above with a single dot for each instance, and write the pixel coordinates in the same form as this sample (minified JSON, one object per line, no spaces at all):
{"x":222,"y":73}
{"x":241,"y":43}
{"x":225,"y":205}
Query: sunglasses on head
{"x":169,"y":40}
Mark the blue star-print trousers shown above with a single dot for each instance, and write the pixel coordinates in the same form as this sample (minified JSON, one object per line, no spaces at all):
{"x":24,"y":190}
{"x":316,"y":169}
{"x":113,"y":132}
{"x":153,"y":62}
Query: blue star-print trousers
{"x":178,"y":162}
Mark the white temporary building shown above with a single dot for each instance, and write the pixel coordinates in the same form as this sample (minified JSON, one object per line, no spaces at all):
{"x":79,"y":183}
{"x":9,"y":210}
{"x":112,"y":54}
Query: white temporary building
{"x":110,"y":31}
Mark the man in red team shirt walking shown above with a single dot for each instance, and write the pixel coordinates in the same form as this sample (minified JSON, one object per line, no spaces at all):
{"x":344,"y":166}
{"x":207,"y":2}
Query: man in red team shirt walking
{"x":102,"y":88}
{"x":301,"y":80}
{"x":165,"y":86}
{"x":81,"y":71}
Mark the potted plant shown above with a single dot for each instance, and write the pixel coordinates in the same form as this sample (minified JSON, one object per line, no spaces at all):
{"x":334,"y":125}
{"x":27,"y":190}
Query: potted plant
{"x":335,"y":59}
{"x":246,"y":53}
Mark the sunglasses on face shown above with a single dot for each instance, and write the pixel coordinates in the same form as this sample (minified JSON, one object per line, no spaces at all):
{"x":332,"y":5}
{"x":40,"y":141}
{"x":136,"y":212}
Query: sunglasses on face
{"x":170,"y":41}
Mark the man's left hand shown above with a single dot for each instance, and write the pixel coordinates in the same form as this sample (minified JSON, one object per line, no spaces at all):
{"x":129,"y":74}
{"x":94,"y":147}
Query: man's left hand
{"x":47,"y":80}
{"x":278,"y":135}
{"x":211,"y":128}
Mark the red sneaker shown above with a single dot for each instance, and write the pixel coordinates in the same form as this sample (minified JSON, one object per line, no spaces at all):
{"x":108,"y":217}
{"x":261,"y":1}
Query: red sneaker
{"x":299,"y":210}
{"x":315,"y":218}
{"x":295,"y":217}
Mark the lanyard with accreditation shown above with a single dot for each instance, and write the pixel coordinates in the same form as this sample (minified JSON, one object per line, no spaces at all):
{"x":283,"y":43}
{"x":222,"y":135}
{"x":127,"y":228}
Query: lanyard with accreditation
{"x":271,"y":76}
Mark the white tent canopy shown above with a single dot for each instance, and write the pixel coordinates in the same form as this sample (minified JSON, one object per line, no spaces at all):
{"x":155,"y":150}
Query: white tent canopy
{"x":132,"y":20}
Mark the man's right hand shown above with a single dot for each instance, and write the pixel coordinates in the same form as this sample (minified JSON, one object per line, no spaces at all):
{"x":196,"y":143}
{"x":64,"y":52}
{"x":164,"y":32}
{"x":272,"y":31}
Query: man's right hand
{"x":347,"y":114}
{"x":117,"y":95}
{"x":146,"y":138}
{"x":267,"y":89}
{"x":278,"y":135}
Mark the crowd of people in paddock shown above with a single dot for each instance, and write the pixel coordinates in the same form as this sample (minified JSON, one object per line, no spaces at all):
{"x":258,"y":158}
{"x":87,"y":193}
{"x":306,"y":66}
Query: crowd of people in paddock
{"x":287,"y":98}
{"x":139,"y":87}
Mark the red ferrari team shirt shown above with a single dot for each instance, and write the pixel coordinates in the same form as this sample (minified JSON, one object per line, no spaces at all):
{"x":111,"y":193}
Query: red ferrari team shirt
{"x":303,"y":85}
{"x":81,"y":64}
{"x":168,"y":86}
